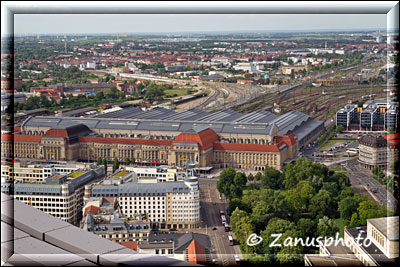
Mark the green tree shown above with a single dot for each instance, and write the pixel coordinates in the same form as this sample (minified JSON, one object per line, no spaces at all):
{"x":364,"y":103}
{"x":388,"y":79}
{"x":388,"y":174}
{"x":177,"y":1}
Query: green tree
{"x":307,"y":227}
{"x":346,"y":192}
{"x":127,"y":161}
{"x":260,"y":213}
{"x":326,"y":227}
{"x":236,"y":215}
{"x":225,"y":181}
{"x":307,"y":192}
{"x":243,"y":229}
{"x":100,"y":96}
{"x":293,"y":198}
{"x":115,"y":164}
{"x":347,"y":207}
{"x":235,"y":191}
{"x":105,"y":165}
{"x":250,"y":177}
{"x":355,"y":221}
{"x":99,"y":161}
{"x":331,"y":187}
{"x":322,"y":204}
{"x":272,"y":178}
{"x":258,"y":176}
{"x":290,"y":256}
{"x":133,"y":161}
{"x":275,"y":226}
{"x":234,"y":204}
{"x":240,"y":179}
{"x":339,"y":128}
{"x":368,"y":210}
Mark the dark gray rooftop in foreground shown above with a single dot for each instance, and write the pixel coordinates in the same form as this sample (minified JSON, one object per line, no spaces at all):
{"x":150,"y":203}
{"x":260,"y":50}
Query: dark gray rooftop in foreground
{"x":41,"y":239}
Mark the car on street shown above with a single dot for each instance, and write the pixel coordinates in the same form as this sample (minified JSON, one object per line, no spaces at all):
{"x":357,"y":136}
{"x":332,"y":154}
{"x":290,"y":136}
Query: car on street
{"x":237,"y":260}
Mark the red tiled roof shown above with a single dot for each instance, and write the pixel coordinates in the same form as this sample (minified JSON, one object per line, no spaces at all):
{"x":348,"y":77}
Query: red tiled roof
{"x":205,"y":139}
{"x":21,"y":138}
{"x":392,"y":139}
{"x":125,"y":141}
{"x":196,"y":253}
{"x":56,"y":133}
{"x":129,"y":244}
{"x":287,"y":139}
{"x":93,"y":210}
{"x":246,"y":147}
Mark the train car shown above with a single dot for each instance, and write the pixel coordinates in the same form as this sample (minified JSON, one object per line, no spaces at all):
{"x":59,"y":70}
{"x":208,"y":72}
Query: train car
{"x":313,"y":94}
{"x":342,"y":96}
{"x":298,"y":102}
{"x":322,"y":108}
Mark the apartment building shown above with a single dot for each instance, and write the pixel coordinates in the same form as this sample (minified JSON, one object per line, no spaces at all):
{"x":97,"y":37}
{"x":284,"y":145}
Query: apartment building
{"x":377,"y":151}
{"x":102,"y":216}
{"x":60,"y":195}
{"x":170,"y":205}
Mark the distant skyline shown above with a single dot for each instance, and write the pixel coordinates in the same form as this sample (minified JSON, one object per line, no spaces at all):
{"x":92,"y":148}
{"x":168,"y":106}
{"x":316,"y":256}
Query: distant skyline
{"x":181,"y":23}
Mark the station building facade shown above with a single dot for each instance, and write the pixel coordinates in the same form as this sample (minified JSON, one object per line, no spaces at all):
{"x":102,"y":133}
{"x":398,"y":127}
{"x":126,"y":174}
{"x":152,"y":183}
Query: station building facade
{"x":237,"y":144}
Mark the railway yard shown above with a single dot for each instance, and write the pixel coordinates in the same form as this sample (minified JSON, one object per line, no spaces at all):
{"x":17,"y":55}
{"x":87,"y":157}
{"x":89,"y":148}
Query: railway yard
{"x":319,"y":102}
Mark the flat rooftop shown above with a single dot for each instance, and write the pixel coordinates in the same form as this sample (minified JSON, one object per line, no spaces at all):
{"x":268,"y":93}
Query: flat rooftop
{"x":388,"y":226}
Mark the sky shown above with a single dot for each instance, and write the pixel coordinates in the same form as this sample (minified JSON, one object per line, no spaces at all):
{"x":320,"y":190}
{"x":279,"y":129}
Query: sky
{"x":152,"y":23}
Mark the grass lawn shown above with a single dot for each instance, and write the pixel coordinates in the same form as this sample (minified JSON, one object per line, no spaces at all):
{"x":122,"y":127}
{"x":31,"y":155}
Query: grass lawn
{"x":340,"y":223}
{"x":330,"y":143}
{"x":338,"y":168}
{"x":76,"y":173}
{"x":179,"y":92}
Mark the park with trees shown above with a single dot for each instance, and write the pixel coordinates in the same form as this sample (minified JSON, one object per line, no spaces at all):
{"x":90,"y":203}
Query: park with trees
{"x":306,"y":199}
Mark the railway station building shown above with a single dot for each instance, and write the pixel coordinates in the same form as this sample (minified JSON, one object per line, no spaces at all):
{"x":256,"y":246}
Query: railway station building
{"x":219,"y":140}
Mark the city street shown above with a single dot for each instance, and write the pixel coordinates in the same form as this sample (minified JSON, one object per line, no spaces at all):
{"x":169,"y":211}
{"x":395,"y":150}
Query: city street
{"x":371,"y":185}
{"x":210,"y":205}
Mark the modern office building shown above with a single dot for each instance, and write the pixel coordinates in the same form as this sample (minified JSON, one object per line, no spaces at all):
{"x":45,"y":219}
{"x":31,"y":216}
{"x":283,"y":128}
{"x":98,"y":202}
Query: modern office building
{"x":37,"y":172}
{"x":348,"y":117}
{"x":375,"y":115}
{"x":60,"y":195}
{"x":169,"y":205}
{"x":222,"y":139}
